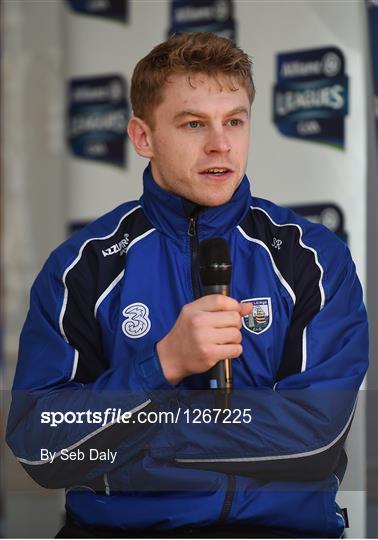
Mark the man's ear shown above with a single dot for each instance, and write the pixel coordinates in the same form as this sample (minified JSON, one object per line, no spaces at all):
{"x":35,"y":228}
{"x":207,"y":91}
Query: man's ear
{"x":140,"y":135}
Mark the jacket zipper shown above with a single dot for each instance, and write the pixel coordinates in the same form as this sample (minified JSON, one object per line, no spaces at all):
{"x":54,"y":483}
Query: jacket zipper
{"x":228,"y":499}
{"x":194,"y":270}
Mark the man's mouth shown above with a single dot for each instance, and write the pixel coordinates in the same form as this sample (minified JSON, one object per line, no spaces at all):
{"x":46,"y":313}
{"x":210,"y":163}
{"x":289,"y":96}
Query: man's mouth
{"x":216,"y":171}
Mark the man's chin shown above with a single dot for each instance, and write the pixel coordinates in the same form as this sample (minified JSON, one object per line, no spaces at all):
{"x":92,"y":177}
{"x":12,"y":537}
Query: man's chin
{"x":217,"y":200}
{"x":210,"y":199}
{"x":216,"y":203}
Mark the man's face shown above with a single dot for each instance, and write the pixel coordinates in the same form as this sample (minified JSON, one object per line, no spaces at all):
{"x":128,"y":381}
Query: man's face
{"x":199,"y":143}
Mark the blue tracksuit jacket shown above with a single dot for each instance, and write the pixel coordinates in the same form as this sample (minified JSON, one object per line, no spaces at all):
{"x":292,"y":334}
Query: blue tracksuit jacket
{"x":106,"y":297}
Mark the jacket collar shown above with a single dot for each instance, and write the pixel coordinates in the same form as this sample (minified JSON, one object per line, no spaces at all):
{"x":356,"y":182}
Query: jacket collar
{"x":170,"y":213}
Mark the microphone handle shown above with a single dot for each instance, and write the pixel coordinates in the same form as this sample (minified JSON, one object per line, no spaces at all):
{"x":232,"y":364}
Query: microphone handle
{"x":216,"y":289}
{"x":221,"y":373}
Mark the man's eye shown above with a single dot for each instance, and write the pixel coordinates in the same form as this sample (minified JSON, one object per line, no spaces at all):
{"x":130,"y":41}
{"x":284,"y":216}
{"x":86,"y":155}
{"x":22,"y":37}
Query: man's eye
{"x":194,"y":124}
{"x":235,"y":122}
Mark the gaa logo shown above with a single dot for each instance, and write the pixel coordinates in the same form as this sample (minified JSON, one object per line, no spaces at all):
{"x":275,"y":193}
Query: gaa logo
{"x":260,"y":318}
{"x":136,"y":323}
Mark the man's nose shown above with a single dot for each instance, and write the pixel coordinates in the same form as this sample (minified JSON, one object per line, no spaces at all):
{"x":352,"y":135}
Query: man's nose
{"x":217,"y":141}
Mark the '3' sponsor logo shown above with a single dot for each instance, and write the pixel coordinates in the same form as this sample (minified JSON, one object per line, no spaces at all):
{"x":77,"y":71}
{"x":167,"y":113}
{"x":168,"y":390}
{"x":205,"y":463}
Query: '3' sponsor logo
{"x":137,"y":323}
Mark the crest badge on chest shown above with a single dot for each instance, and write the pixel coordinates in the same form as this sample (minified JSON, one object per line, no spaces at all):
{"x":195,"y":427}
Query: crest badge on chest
{"x":260,"y":318}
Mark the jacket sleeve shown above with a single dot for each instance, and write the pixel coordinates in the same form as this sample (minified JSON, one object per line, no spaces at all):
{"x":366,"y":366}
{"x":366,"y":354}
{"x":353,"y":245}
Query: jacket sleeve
{"x":62,"y":370}
{"x":296,"y":429}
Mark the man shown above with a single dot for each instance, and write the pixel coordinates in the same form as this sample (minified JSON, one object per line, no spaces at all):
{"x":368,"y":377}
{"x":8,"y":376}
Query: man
{"x":131,"y":333}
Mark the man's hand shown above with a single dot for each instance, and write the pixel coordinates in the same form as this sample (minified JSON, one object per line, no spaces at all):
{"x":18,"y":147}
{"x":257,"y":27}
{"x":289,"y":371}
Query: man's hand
{"x":206,"y":331}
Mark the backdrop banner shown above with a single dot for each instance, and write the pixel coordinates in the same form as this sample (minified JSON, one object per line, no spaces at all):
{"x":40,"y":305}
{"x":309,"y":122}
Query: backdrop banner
{"x":203,"y":16}
{"x":373,"y":25}
{"x":116,"y":10}
{"x":311,"y":95}
{"x":328,"y":214}
{"x":97,"y":118}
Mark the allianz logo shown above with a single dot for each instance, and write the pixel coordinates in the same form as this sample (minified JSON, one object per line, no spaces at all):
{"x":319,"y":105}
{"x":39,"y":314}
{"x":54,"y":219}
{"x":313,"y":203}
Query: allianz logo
{"x":120,"y":247}
{"x":111,"y":91}
{"x":329,"y":65}
{"x":218,"y":11}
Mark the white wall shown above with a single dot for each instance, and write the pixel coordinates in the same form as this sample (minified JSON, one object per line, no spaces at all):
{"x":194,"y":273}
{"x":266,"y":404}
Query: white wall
{"x":34,"y":211}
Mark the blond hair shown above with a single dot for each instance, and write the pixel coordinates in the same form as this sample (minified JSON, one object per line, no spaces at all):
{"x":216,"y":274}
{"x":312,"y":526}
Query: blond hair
{"x":187,"y":53}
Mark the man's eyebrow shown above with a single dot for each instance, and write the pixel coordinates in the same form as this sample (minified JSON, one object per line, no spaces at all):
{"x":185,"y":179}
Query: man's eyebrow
{"x":238,"y":110}
{"x":200,"y":114}
{"x":188,"y":112}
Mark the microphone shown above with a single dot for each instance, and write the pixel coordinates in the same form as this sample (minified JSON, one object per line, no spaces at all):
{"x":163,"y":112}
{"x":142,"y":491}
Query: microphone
{"x":215,"y":272}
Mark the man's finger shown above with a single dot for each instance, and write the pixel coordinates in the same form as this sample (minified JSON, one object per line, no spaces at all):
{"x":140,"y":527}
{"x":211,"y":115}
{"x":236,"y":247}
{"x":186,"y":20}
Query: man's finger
{"x":228,"y":351}
{"x":245,"y":308}
{"x":217,"y":302}
{"x":224,"y":319}
{"x":224,"y":336}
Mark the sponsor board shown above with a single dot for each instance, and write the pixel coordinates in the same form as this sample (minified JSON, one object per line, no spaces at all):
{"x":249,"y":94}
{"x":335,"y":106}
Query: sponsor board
{"x":76,"y":226}
{"x":215,"y":16}
{"x":328,"y":214}
{"x":310,"y":97}
{"x":116,"y":10}
{"x":373,"y":28}
{"x":97,"y":118}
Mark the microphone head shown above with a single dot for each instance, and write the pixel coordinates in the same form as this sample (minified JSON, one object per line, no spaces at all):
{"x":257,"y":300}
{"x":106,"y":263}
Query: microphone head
{"x":215,"y":262}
